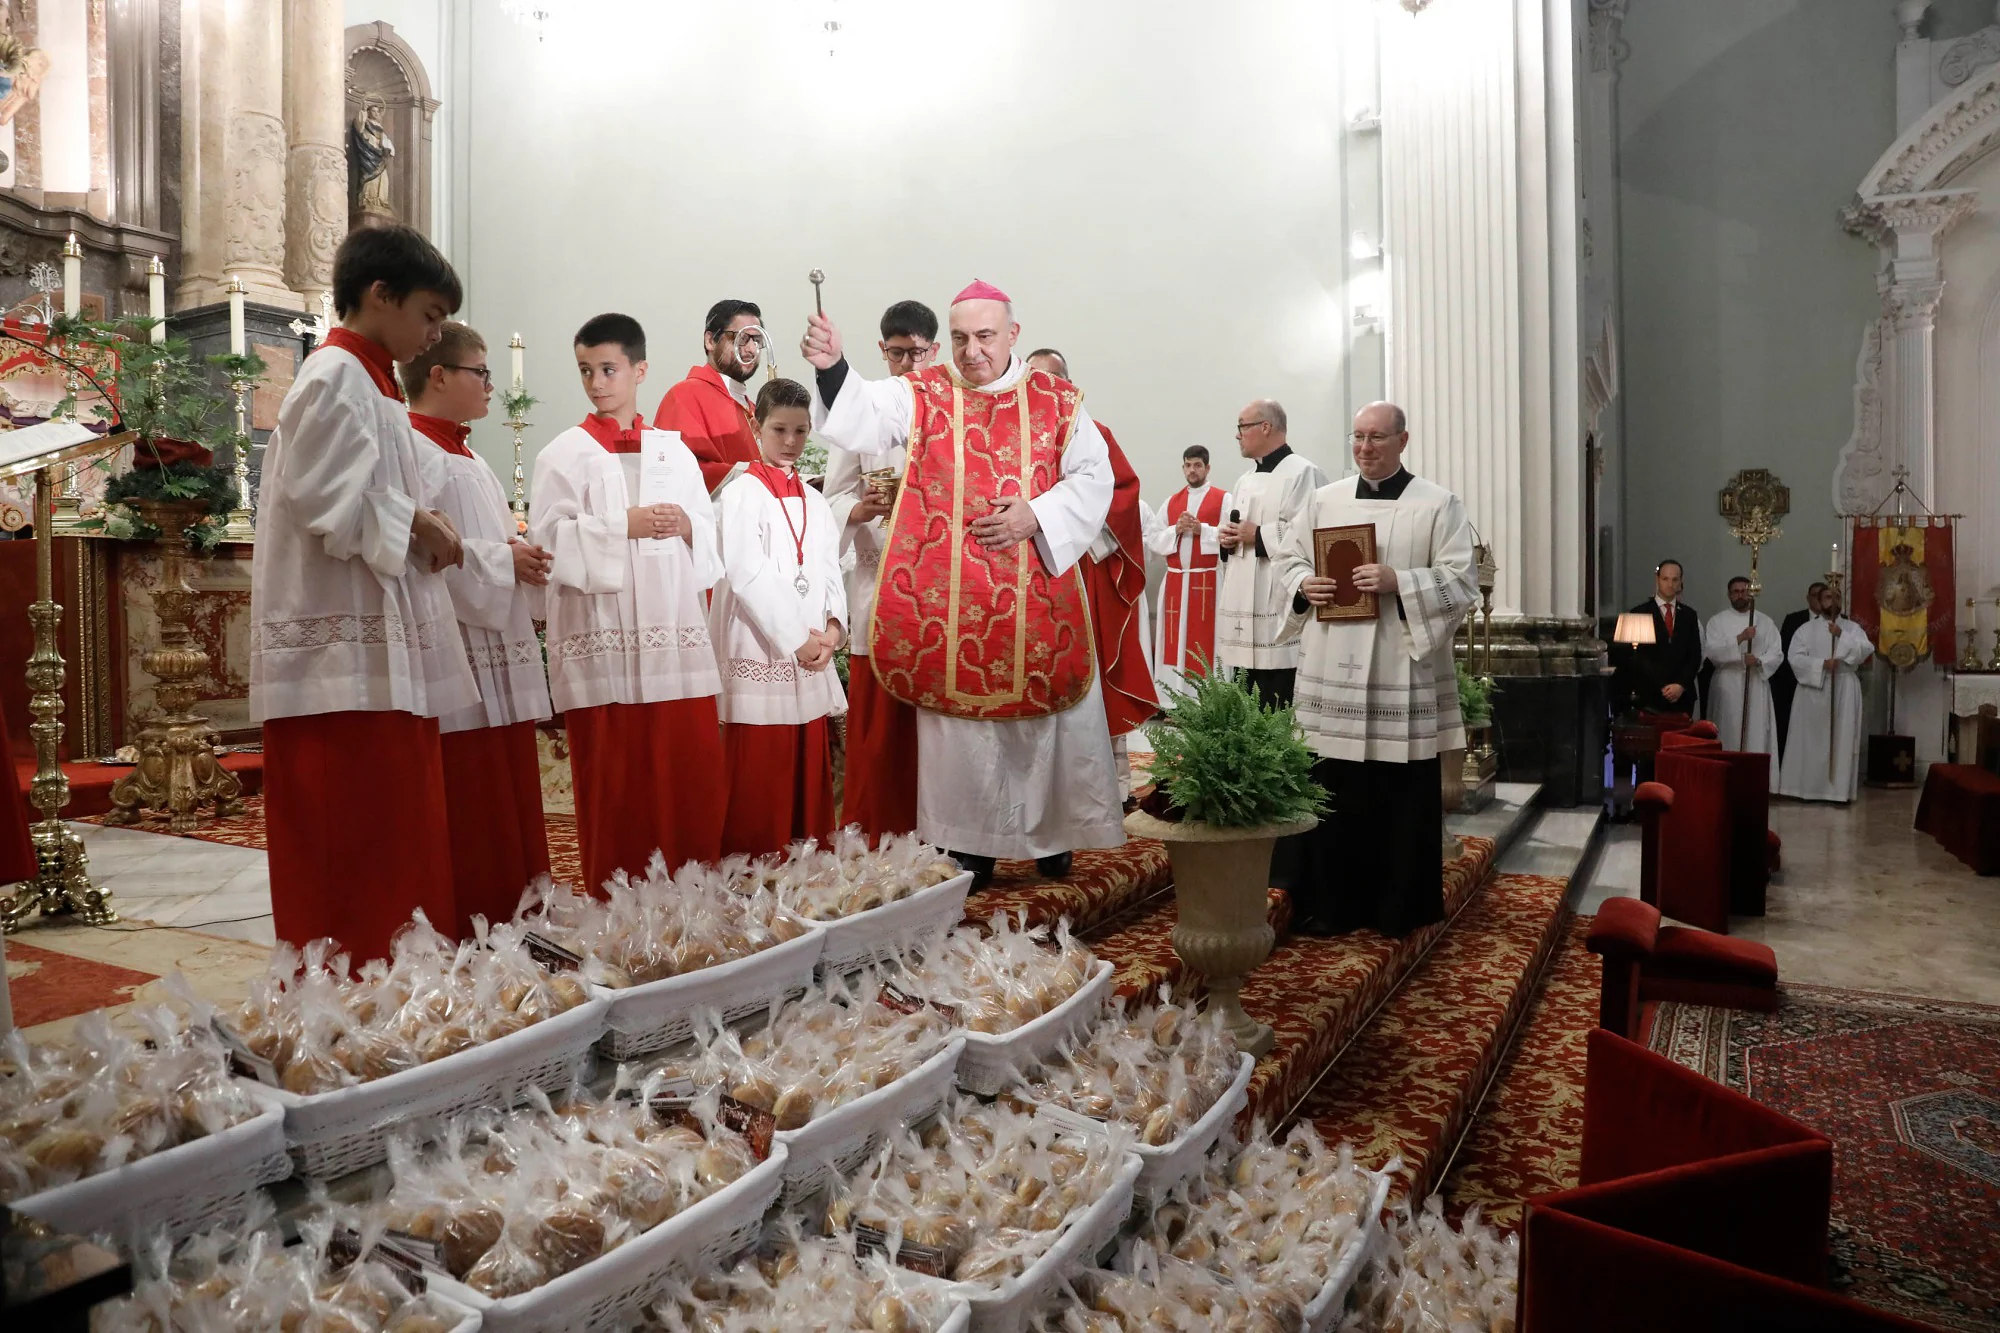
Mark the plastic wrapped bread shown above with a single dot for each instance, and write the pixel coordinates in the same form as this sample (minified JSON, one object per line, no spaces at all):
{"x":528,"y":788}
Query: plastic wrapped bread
{"x":1002,"y":974}
{"x":806,"y":1283}
{"x":1158,"y":1069}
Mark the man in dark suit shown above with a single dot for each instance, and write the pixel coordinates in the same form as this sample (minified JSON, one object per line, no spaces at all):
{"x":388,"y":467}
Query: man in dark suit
{"x":1783,"y":682}
{"x":1659,"y":677}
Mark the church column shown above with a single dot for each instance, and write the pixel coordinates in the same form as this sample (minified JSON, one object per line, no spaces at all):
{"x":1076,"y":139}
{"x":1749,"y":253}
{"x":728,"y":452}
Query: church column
{"x":316,"y":166}
{"x":1478,"y":117}
{"x":233,"y":154}
{"x":1908,"y":229}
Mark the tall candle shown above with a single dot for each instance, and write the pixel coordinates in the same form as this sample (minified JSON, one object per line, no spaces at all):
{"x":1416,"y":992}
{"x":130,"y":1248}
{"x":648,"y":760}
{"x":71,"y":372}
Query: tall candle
{"x":517,"y":349}
{"x":72,"y":254}
{"x":156,"y":297}
{"x":1833,"y":561}
{"x":236,"y":314}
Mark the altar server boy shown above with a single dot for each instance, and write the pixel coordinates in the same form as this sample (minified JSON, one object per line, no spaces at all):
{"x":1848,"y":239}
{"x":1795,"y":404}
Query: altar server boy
{"x":492,"y":772}
{"x":354,"y":650}
{"x":624,"y":513}
{"x":777,"y":619}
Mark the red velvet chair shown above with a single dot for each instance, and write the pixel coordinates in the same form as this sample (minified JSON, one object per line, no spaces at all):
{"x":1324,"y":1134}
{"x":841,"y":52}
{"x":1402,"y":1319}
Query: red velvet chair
{"x":1646,"y":962}
{"x":1652,"y":802}
{"x":1695,"y":837}
{"x":1698,"y":1209}
{"x":1753,"y":848}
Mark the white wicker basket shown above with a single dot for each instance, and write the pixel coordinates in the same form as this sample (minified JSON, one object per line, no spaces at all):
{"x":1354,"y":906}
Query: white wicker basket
{"x":207,"y":1182}
{"x":839,"y":1141}
{"x":1326,"y":1308}
{"x":606,"y":1293}
{"x":884,"y":933}
{"x":1169,"y":1164}
{"x":1009,"y":1307}
{"x":642,"y":1019}
{"x":333,"y":1133}
{"x":992,"y":1061}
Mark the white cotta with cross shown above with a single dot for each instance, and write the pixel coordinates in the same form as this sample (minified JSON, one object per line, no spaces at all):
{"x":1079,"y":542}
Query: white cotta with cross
{"x":1385,"y":689}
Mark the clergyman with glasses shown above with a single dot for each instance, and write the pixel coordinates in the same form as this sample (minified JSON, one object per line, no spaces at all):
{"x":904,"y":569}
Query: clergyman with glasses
{"x":1378,"y":699}
{"x":713,"y":408}
{"x":1253,"y":626}
{"x":879,"y":791}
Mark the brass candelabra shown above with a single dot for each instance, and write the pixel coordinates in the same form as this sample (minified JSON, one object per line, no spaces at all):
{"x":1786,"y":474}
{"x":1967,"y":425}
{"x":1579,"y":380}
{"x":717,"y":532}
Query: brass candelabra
{"x":1994,"y":663}
{"x":177,"y":769}
{"x":62,"y":868}
{"x":1969,"y":659}
{"x":243,"y":518}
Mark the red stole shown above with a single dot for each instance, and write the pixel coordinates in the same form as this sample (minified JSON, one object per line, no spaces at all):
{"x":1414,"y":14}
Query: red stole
{"x":1210,"y":514}
{"x":1193,"y":583}
{"x":1115,"y":585}
{"x":616,"y":439}
{"x":374,"y":359}
{"x":959,"y":629}
{"x":449,"y":436}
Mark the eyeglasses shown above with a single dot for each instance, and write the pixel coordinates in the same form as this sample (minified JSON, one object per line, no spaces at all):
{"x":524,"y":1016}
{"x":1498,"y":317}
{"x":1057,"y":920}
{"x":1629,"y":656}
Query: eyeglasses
{"x":1374,"y":436}
{"x":902,"y":354}
{"x":485,"y":374}
{"x":1245,"y":426}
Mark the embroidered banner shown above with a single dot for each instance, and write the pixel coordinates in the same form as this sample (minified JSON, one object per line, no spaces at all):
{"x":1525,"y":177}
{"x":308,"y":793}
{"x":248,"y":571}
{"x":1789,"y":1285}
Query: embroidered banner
{"x":1903,"y":591}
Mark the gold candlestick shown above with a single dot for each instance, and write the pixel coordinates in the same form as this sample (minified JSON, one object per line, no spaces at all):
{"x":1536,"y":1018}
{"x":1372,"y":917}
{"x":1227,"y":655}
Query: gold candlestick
{"x":62,"y":868}
{"x":242,"y":519}
{"x":1994,"y":664}
{"x":1969,"y":659}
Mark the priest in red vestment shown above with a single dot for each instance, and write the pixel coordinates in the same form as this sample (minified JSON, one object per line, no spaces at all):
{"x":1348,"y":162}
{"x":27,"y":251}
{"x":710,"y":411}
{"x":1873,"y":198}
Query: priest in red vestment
{"x":1114,"y":579}
{"x":1188,"y":534}
{"x":712,"y":408}
{"x":984,"y":629}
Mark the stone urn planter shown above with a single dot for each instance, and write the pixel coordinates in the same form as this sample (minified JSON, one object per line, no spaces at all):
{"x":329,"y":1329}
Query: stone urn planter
{"x":1221,"y":885}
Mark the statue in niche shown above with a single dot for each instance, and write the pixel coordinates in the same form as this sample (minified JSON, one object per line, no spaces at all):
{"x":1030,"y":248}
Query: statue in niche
{"x":22,"y":69}
{"x":369,"y":149}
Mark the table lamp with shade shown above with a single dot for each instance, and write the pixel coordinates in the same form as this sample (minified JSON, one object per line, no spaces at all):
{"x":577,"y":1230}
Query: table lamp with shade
{"x":1634,"y":629}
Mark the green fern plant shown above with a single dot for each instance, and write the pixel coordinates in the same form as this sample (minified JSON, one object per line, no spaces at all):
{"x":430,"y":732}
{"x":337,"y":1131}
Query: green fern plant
{"x":1475,"y":697}
{"x":1223,"y":761}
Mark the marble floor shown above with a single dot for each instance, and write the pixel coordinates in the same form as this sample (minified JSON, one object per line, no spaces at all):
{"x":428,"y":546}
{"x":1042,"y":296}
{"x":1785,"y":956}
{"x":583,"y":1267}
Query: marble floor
{"x":1863,"y":901}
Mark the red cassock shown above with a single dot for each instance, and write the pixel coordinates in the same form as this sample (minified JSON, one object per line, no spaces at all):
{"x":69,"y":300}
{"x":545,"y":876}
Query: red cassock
{"x":780,"y":786}
{"x":355,"y":805}
{"x":493,"y":802}
{"x":1193,"y":584}
{"x":717,"y":429}
{"x":1115,"y":584}
{"x":879,"y":791}
{"x":647,"y":776}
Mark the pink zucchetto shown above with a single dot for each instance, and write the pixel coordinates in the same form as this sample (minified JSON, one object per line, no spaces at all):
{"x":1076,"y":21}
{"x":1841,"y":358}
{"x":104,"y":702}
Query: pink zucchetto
{"x":982,"y":291}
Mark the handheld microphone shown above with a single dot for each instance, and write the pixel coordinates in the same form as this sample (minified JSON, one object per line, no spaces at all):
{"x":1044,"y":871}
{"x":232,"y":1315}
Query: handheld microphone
{"x":1235,"y":516}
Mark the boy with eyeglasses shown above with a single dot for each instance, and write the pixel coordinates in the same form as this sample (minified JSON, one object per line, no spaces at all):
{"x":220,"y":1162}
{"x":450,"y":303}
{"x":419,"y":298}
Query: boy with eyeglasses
{"x":713,"y":407}
{"x":879,"y":786}
{"x":492,"y":772}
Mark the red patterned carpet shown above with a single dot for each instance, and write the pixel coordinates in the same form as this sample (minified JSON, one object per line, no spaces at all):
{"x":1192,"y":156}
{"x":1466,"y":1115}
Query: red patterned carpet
{"x":1406,"y":1085}
{"x":1908,"y":1089}
{"x":45,"y":985}
{"x":1100,"y":886}
{"x":1527,"y":1138}
{"x":243,"y":829}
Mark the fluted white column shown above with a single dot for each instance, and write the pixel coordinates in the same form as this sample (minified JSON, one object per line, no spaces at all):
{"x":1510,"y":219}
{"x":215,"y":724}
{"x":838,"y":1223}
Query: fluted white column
{"x":1480,"y":204}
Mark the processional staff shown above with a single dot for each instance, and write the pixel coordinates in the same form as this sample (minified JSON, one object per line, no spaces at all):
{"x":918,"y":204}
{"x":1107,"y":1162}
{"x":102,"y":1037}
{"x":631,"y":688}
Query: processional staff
{"x":1752,"y":503}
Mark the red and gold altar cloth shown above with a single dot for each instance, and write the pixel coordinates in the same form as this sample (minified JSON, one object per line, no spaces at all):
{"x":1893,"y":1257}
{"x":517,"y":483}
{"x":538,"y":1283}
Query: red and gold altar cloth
{"x":959,"y":629}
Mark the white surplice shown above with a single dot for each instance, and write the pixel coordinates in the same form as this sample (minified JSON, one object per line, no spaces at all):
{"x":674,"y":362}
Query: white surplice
{"x":1722,"y":704}
{"x":846,"y":488}
{"x":1825,"y":719}
{"x":1385,"y":689}
{"x":343,"y":614}
{"x":1033,"y":786}
{"x":1253,"y":620}
{"x":759,"y":618}
{"x":496,"y":614}
{"x":626,"y":619}
{"x":1164,"y":539}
